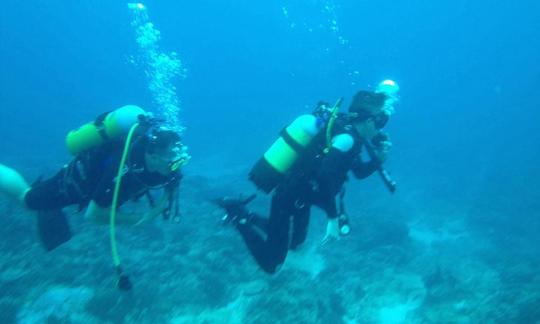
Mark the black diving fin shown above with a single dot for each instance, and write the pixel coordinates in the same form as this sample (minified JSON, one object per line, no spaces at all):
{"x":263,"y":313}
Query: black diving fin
{"x":53,"y":228}
{"x":235,"y":208}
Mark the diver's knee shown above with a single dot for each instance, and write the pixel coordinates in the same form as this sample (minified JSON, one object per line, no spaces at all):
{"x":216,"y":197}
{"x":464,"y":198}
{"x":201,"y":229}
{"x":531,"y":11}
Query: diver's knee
{"x":297,"y":241}
{"x":272,"y":268}
{"x":297,"y":245}
{"x":273,"y":265}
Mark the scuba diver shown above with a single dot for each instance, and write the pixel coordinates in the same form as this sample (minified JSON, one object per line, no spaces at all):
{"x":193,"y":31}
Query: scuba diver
{"x":308,"y":166}
{"x":150,"y":159}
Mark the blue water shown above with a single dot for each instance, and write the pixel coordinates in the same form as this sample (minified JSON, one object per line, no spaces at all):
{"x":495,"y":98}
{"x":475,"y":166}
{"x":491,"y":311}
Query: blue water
{"x":465,"y":132}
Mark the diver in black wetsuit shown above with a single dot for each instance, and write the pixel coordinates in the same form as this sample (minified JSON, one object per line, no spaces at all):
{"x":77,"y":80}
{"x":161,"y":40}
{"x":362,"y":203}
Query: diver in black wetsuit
{"x":88,"y":180}
{"x":314,"y":179}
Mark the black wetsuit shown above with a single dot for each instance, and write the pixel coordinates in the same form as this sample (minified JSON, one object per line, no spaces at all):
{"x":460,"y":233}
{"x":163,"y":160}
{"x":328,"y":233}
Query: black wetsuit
{"x":315,"y":180}
{"x":91,"y":176}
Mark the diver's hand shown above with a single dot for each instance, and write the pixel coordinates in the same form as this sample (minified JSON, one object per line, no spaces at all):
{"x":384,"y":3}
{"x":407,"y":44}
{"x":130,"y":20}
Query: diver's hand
{"x":332,"y":231}
{"x":381,"y":146}
{"x":381,"y":150}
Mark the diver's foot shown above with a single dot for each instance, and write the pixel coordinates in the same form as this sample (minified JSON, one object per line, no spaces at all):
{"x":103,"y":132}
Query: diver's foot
{"x":234,"y":220}
{"x":236,"y":212}
{"x":235,"y":209}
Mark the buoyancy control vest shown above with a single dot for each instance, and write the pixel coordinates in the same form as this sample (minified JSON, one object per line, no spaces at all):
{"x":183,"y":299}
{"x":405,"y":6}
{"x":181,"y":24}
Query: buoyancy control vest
{"x":295,"y":142}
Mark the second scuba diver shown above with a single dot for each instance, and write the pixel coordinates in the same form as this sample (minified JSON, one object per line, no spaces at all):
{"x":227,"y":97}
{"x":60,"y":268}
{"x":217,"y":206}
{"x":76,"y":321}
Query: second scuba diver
{"x":308,"y":166}
{"x":154,"y":155}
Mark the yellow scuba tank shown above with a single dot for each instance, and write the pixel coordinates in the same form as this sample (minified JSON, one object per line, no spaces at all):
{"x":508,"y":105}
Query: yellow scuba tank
{"x":281,"y":156}
{"x":271,"y":169}
{"x":113,"y":125}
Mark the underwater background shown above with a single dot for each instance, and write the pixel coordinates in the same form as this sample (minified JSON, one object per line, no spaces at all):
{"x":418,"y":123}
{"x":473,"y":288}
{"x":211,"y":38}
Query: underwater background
{"x":457,"y":243}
